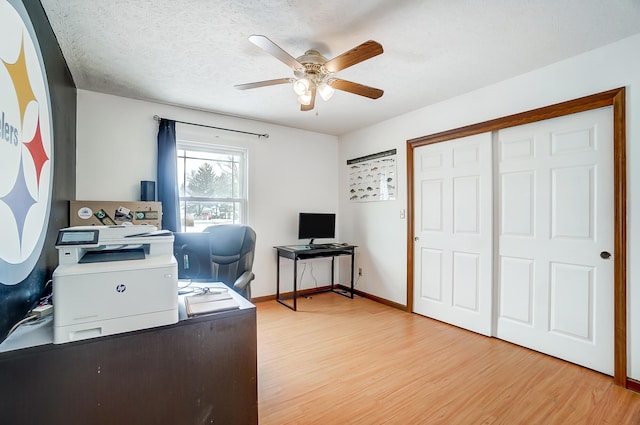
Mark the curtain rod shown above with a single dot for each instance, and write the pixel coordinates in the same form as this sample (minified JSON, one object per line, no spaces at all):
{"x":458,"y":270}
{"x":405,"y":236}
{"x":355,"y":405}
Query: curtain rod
{"x":265,"y":135}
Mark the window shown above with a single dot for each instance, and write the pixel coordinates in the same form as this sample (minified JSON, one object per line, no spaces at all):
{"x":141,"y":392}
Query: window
{"x":212,"y":183}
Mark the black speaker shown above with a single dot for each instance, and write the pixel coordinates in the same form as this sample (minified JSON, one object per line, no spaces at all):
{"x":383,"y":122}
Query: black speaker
{"x":147,"y":190}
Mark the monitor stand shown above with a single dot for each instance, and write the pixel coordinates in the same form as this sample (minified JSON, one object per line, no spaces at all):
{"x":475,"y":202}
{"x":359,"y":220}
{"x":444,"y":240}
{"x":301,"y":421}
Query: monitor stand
{"x":318,"y":245}
{"x":313,"y":245}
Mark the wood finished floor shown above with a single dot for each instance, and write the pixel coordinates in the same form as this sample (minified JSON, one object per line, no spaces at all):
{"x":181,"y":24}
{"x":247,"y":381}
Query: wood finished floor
{"x":343,"y":361}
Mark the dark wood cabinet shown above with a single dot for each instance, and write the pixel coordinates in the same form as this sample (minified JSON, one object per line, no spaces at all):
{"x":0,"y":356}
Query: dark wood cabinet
{"x":200,"y":370}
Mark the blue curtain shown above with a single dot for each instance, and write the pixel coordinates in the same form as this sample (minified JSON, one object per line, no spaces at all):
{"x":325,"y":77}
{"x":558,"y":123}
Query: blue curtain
{"x":168,"y":175}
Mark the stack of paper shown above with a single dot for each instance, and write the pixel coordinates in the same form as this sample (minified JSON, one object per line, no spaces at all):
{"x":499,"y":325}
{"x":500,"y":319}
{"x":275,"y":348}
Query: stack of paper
{"x":209,"y":303}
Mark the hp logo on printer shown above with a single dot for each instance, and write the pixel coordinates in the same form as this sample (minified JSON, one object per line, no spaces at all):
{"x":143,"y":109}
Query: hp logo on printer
{"x":121,"y":288}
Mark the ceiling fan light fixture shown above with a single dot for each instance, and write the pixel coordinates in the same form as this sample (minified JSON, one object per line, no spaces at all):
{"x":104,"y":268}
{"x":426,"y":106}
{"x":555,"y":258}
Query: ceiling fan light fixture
{"x":326,"y":91}
{"x":305,"y":98}
{"x":301,"y":86}
{"x":313,"y":73}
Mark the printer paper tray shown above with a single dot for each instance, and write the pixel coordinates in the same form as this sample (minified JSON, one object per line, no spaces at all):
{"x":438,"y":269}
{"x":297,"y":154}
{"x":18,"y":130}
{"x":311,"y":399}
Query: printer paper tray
{"x":112,"y":255}
{"x":80,"y":331}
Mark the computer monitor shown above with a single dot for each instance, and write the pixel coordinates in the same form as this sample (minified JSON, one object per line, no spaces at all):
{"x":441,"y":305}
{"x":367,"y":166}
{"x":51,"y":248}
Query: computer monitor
{"x":316,"y":225}
{"x":191,"y":250}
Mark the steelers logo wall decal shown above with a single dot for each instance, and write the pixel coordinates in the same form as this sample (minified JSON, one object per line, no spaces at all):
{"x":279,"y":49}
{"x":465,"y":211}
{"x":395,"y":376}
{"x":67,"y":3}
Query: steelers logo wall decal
{"x":26,"y":145}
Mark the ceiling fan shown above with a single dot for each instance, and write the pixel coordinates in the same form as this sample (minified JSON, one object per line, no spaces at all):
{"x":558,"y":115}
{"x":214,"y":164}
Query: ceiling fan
{"x":314,"y":73}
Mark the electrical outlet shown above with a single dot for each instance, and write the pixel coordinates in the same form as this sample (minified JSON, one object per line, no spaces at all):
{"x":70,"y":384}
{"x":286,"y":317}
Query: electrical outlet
{"x":359,"y":271}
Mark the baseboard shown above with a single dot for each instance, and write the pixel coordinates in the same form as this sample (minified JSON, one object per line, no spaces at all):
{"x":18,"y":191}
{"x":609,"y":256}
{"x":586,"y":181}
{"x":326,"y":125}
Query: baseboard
{"x":374,"y":298}
{"x":633,"y":385}
{"x":266,"y":298}
{"x":286,"y":295}
{"x":306,"y":292}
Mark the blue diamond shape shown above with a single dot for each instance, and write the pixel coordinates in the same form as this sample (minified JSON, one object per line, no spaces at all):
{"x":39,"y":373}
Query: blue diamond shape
{"x":19,"y":200}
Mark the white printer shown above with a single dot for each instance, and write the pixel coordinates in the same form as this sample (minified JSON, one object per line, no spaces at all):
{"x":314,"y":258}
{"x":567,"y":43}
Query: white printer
{"x":113,"y":279}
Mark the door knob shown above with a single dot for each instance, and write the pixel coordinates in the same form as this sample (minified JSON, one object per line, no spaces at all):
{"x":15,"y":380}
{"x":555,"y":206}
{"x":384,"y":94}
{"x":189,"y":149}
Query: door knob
{"x":416,"y":238}
{"x":605,"y":255}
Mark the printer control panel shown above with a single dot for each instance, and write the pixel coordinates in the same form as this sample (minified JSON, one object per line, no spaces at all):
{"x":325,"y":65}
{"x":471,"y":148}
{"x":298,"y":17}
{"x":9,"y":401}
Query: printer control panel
{"x":68,"y":237}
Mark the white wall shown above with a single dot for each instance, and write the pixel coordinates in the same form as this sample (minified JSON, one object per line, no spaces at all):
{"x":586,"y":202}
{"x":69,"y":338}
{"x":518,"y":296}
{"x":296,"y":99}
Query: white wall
{"x":291,"y":171}
{"x":382,"y":234}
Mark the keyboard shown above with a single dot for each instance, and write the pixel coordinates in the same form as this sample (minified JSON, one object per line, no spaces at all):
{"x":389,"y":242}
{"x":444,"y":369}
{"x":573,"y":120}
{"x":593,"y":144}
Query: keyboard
{"x":326,"y":245}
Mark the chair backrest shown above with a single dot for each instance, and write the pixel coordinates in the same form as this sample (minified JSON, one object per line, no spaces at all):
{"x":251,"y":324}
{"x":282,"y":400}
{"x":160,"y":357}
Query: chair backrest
{"x":232,"y":249}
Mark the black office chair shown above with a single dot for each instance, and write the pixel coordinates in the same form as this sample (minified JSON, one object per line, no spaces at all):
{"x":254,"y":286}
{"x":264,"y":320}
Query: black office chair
{"x":232,"y":247}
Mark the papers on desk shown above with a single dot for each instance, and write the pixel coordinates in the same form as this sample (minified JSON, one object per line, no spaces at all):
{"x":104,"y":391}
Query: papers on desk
{"x":209,"y":303}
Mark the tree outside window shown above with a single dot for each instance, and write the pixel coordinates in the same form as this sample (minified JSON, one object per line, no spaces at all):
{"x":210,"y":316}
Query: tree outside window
{"x":212,"y":189}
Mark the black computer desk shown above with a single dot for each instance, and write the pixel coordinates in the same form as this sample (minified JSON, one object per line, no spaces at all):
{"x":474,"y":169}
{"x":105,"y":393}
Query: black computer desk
{"x":202,"y":369}
{"x":305,"y":252}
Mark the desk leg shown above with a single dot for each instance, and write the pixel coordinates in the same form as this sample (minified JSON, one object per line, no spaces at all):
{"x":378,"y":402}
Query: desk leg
{"x":353,"y":258}
{"x":295,"y":284}
{"x":343,"y":292}
{"x":277,"y":276}
{"x":333,"y":268}
{"x":278,"y":299}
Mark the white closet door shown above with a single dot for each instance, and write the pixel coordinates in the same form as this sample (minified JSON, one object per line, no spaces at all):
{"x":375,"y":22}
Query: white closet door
{"x":555,"y":289}
{"x":453,"y":240}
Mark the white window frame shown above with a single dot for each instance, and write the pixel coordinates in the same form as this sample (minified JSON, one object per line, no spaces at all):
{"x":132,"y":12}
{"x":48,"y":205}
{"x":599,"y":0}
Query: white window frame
{"x":182,"y":145}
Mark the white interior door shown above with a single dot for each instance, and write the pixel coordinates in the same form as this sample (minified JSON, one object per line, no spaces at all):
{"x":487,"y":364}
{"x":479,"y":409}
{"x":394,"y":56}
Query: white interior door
{"x":555,"y":290}
{"x":453,"y":241}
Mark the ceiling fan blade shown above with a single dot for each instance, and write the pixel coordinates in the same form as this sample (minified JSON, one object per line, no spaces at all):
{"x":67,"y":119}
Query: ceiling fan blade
{"x":360,"y":53}
{"x":273,"y":49}
{"x":312,"y":103}
{"x":355,"y":88}
{"x":263,"y":83}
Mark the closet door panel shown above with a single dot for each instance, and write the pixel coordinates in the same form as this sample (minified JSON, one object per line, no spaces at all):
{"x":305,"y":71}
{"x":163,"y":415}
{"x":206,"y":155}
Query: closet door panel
{"x":555,"y":217}
{"x":453,"y":245}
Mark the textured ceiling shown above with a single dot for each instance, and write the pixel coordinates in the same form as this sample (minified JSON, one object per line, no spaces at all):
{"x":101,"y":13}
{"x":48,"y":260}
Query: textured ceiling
{"x":192,"y":52}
